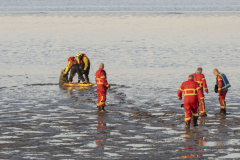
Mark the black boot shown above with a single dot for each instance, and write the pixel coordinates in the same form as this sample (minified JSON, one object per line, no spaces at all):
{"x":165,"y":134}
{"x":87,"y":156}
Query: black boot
{"x":103,"y":108}
{"x":187,"y":125}
{"x":223,"y":112}
{"x":99,"y":109}
{"x":195,"y":122}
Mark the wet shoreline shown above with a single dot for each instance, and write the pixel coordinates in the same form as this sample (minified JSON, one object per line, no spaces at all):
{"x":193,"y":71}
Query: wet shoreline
{"x":44,"y":129}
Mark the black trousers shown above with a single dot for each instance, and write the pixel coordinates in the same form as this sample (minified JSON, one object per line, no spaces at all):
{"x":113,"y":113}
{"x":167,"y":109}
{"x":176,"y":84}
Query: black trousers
{"x":86,"y":73}
{"x":73,"y":70}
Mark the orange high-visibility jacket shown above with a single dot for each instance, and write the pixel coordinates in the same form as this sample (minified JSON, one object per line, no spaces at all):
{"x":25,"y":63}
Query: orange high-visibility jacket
{"x":200,"y":79}
{"x":192,"y":92}
{"x":101,"y":80}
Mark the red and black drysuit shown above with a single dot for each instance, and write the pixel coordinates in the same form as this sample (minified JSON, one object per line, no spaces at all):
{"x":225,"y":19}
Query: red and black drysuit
{"x":84,"y":63}
{"x":192,"y":95}
{"x":102,"y":85}
{"x":200,"y":79}
{"x":73,"y":66}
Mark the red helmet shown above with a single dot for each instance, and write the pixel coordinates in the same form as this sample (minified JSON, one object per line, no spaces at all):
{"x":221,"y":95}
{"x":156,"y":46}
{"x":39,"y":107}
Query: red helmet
{"x":71,"y":58}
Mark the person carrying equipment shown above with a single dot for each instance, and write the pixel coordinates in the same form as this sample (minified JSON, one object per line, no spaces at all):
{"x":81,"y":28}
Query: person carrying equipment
{"x":192,"y":95}
{"x":84,"y":63}
{"x":223,"y":85}
{"x":102,"y":86}
{"x":74,"y":66}
{"x":200,"y":79}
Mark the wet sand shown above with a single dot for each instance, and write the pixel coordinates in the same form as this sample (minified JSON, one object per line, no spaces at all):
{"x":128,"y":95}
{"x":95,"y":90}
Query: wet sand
{"x":67,"y":126}
{"x":147,"y":56}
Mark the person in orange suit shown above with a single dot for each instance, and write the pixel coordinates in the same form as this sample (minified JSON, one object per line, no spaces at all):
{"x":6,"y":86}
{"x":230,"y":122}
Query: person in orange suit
{"x":74,"y":66}
{"x":102,"y":86}
{"x":192,"y":95}
{"x":200,"y":79}
{"x":223,"y":85}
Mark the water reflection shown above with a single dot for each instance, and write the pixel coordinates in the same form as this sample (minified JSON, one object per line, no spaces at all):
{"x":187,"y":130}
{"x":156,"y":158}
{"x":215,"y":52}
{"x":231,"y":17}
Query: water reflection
{"x":71,"y":88}
{"x":201,"y":120}
{"x":101,"y":137}
{"x":193,"y":140}
{"x":190,"y":156}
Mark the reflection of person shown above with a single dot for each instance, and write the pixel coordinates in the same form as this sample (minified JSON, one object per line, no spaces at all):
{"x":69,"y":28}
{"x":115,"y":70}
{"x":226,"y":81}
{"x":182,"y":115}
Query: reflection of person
{"x":101,"y":139}
{"x":102,"y":86}
{"x":192,"y":95}
{"x":200,"y":79}
{"x":84,"y":63}
{"x":192,"y":139}
{"x":223,"y":85}
{"x":73,"y":66}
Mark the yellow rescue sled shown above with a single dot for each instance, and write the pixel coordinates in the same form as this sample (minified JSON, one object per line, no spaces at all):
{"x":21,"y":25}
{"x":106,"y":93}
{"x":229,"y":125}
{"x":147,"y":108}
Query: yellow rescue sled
{"x":75,"y":84}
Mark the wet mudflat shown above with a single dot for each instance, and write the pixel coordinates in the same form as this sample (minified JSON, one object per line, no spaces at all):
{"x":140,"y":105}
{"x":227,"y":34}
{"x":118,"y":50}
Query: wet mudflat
{"x":39,"y":120}
{"x":68,"y":126}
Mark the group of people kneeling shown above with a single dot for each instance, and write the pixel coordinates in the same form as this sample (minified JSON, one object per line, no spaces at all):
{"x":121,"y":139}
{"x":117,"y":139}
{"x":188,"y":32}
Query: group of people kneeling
{"x":81,"y":66}
{"x":194,"y":97}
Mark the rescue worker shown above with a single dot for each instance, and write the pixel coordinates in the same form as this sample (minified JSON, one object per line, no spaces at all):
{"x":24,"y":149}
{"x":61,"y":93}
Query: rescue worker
{"x":192,"y":95}
{"x":223,"y":85}
{"x":200,"y":79}
{"x":74,"y":67}
{"x":84,"y":63}
{"x":102,"y":86}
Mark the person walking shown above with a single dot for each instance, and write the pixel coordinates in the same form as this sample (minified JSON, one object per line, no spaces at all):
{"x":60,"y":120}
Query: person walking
{"x":200,"y":79}
{"x":73,"y":66}
{"x":192,"y":95}
{"x":84,"y":63}
{"x":222,"y":84}
{"x":102,"y":86}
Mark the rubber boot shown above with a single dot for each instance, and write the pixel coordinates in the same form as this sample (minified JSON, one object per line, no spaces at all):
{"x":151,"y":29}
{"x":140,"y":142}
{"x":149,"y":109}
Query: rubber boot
{"x":223,"y":112}
{"x":99,"y":108}
{"x":103,"y":108}
{"x":195,"y":122}
{"x":187,"y":125}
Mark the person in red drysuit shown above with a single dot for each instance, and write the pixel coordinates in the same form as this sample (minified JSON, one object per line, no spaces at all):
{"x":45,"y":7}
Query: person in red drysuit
{"x":223,"y":85}
{"x":102,"y":86}
{"x":200,"y":79}
{"x":192,"y":95}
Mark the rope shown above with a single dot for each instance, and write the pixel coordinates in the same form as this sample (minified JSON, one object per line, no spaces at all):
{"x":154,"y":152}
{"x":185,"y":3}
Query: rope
{"x":92,"y":70}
